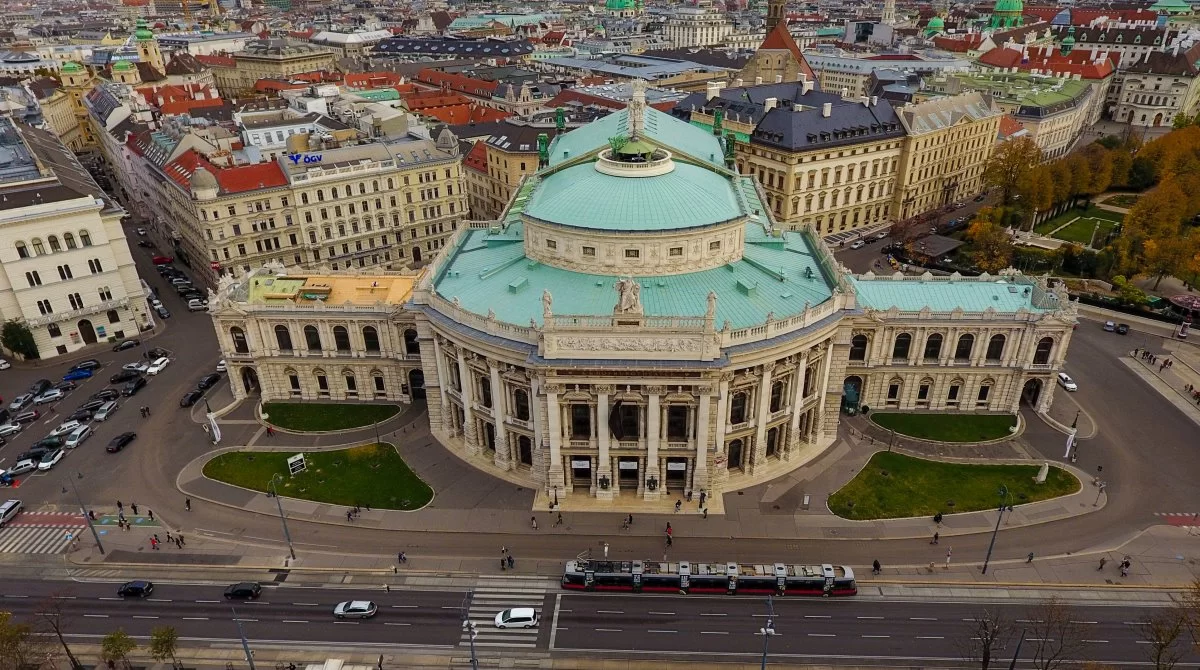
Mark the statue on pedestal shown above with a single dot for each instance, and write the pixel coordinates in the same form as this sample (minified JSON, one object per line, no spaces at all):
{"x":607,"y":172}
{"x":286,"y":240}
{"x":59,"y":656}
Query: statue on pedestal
{"x":629,"y":297}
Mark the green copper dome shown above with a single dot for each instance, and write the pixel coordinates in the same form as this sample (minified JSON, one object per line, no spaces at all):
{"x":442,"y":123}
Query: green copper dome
{"x":143,"y":31}
{"x":936,"y":25}
{"x":620,"y":5}
{"x":122,"y":66}
{"x":71,"y":67}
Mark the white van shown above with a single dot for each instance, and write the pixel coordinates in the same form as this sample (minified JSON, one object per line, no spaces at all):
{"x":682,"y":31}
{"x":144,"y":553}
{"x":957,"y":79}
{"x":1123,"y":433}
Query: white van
{"x":8,"y":510}
{"x":77,"y":436}
{"x":106,"y":410}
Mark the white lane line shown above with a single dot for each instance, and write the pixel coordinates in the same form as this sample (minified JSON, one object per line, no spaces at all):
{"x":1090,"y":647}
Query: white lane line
{"x":351,"y":623}
{"x":64,"y":597}
{"x":1087,"y":622}
{"x":816,"y":616}
{"x":394,"y":623}
{"x":554,"y":621}
{"x":195,"y":618}
{"x":713,"y":614}
{"x":878,"y":636}
{"x":662,"y":613}
{"x":112,"y":598}
{"x":869,"y":617}
{"x":294,"y":621}
{"x":406,"y":606}
{"x":207,"y":601}
{"x":714,"y":632}
{"x":608,"y":630}
{"x":1096,"y":641}
{"x":662,"y":631}
{"x":247,"y":620}
{"x":16,"y":596}
{"x":96,"y":616}
{"x":158,"y":600}
{"x":451,"y":607}
{"x":144,"y":616}
{"x":609,"y":612}
{"x":1028,"y":621}
{"x":317,"y":604}
{"x":1143,"y":642}
{"x":922,"y":618}
{"x":821,"y":635}
{"x":562,"y":628}
{"x":1136,"y":623}
{"x":930,"y":637}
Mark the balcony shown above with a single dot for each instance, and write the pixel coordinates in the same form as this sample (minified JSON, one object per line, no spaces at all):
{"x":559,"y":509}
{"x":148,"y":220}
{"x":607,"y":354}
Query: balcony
{"x":738,"y":427}
{"x":519,"y":423}
{"x":775,"y":416}
{"x":58,"y":317}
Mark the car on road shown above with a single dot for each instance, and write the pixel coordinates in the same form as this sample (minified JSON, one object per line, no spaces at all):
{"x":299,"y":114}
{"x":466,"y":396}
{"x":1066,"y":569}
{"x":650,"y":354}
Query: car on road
{"x":77,"y":436}
{"x":124,"y":376}
{"x":9,"y":429}
{"x":208,"y":381}
{"x":91,"y":405}
{"x":161,"y":260}
{"x":106,"y":410}
{"x":66,"y":386}
{"x":120,"y":442}
{"x":197,"y":305}
{"x":243,"y":591}
{"x":145,"y":244}
{"x":162,"y":312}
{"x":136,"y":366}
{"x":4,"y":364}
{"x":355,"y":609}
{"x":1065,"y":381}
{"x":21,"y":467}
{"x":517,"y":617}
{"x":27,"y":417}
{"x":858,"y":244}
{"x":40,"y":386}
{"x":158,"y":366}
{"x":981,"y":197}
{"x":89,"y":364}
{"x":76,"y":375}
{"x":50,"y":460}
{"x":105,"y":394}
{"x":48,"y":443}
{"x":65,"y":427}
{"x":221,"y":367}
{"x":155,"y":303}
{"x":141,"y":232}
{"x":881,"y":235}
{"x":139,"y":588}
{"x":190,"y":398}
{"x":20,"y":402}
{"x":1122,"y":329}
{"x":1109,"y":326}
{"x":131,"y":387}
{"x":81,"y":415}
{"x":53,"y":395}
{"x":126,"y":344}
{"x":157,"y":352}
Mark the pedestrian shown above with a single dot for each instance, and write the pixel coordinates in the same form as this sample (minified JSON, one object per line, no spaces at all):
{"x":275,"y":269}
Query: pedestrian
{"x":931,"y":567}
{"x":120,"y":506}
{"x":630,"y":519}
{"x":703,"y":497}
{"x":270,"y":431}
{"x":606,"y":550}
{"x":1125,"y":569}
{"x":133,"y":507}
{"x":705,"y":512}
{"x":187,"y":504}
{"x":349,"y":514}
{"x":156,"y":538}
{"x":92,"y":515}
{"x":503,"y":564}
{"x":1029,"y":558}
{"x":678,"y":504}
{"x":150,"y":513}
{"x":668,"y":528}
{"x":154,"y":543}
{"x":403,"y":557}
{"x":503,"y":550}
{"x":512,"y":562}
{"x":937,"y":518}
{"x":936,"y":535}
{"x":875,"y":568}
{"x":147,"y":411}
{"x":179,"y":539}
{"x":1103,"y":560}
{"x":533,"y":522}
{"x":559,"y":522}
{"x":688,"y":495}
{"x":142,"y":411}
{"x":668,"y":540}
{"x":121,"y":516}
{"x":949,"y":553}
{"x":169,"y":537}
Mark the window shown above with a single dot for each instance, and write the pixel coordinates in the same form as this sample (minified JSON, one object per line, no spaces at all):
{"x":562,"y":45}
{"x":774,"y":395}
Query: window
{"x":675,"y":251}
{"x":44,"y":307}
{"x":84,"y":238}
{"x":370,"y":338}
{"x":22,"y":251}
{"x":64,"y":272}
{"x":858,"y":348}
{"x":589,"y":252}
{"x":105,"y":293}
{"x":677,"y":423}
{"x":312,"y":338}
{"x":893,"y":392}
{"x":551,"y":244}
{"x":1041,"y":355}
{"x":294,"y":382}
{"x":53,"y":330}
{"x":94,"y":266}
{"x":962,"y":352}
{"x":923,"y":392}
{"x":933,"y":347}
{"x":773,"y":441}
{"x":76,"y":300}
{"x":953,"y":393}
{"x":54,"y":244}
{"x":715,"y":245}
{"x":113,"y":316}
{"x":341,"y":339}
{"x":283,"y":337}
{"x":484,"y":384}
{"x":379,"y":388}
{"x":69,"y":240}
{"x":411,"y":345}
{"x":322,"y":383}
{"x":633,"y":253}
{"x":777,"y":389}
{"x":901,"y":347}
{"x":351,"y":384}
{"x":995,"y":348}
{"x":521,"y":404}
{"x":737,"y":408}
{"x":985,"y":390}
{"x":33,"y":278}
{"x":38,"y":249}
{"x":239,"y":340}
{"x":581,"y":421}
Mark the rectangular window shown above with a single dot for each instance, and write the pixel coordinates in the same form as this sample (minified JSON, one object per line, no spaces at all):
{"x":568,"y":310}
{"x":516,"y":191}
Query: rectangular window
{"x":675,"y":251}
{"x":589,"y":251}
{"x":551,"y":244}
{"x":633,"y":253}
{"x":715,"y":245}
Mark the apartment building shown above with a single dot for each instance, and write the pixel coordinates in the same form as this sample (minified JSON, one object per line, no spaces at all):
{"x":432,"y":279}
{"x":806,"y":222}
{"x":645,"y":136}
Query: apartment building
{"x":495,"y":166}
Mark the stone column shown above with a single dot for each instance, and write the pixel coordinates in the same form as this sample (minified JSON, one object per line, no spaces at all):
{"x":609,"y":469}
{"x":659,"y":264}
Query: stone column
{"x":653,"y":435}
{"x":822,"y":390}
{"x":764,"y":413}
{"x":604,"y":462}
{"x":502,"y":458}
{"x":555,"y":477}
{"x":721,"y":466}
{"x":700,"y":472}
{"x":797,"y":401}
{"x":443,"y":379}
{"x":535,"y":414}
{"x":470,"y":435}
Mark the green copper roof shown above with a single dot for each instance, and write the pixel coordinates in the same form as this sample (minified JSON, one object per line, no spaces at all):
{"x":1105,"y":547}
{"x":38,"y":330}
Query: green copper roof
{"x":619,"y":5}
{"x":1171,"y":6}
{"x":71,"y":67}
{"x":122,"y":66}
{"x":911,"y":295}
{"x":687,"y":197}
{"x":662,"y":128}
{"x":143,"y":31}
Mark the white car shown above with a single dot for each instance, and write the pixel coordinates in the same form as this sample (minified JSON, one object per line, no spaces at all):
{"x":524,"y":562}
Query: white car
{"x":77,"y":436}
{"x":21,"y":467}
{"x":50,"y":460}
{"x":517,"y":617}
{"x":355,"y":609}
{"x":158,"y":366}
{"x":53,"y":395}
{"x":136,"y":366}
{"x":4,"y":365}
{"x":1065,"y":381}
{"x":881,"y":235}
{"x":65,"y":427}
{"x":9,"y":429}
{"x":221,"y":365}
{"x":858,"y":244}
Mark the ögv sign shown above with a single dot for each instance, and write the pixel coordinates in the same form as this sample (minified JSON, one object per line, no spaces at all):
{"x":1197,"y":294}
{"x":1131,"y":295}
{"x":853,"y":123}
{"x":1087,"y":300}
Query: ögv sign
{"x":306,"y":159}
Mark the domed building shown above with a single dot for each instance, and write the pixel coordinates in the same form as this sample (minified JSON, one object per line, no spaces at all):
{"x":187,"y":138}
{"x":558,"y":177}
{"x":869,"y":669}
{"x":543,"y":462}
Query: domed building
{"x":1008,"y":14}
{"x":635,"y":325}
{"x":623,"y":8}
{"x":936,"y":26}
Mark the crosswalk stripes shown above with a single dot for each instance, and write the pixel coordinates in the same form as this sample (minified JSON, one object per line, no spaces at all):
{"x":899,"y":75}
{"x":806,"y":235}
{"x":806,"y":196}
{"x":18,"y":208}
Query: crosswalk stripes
{"x":494,"y":594}
{"x":36,"y":538}
{"x":1180,"y":519}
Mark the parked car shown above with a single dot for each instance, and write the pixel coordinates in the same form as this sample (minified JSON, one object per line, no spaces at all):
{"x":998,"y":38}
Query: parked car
{"x":90,"y":364}
{"x":139,"y":588}
{"x":157,"y":352}
{"x":40,"y":386}
{"x":81,"y":415}
{"x":131,"y":387}
{"x":136,"y":366}
{"x":120,"y":442}
{"x":208,"y":381}
{"x":51,"y":442}
{"x":77,"y":436}
{"x":221,"y":365}
{"x":190,"y":398}
{"x":91,"y":405}
{"x":126,"y":344}
{"x":105,"y":394}
{"x":21,"y":467}
{"x":1110,"y":326}
{"x":162,"y":260}
{"x":197,"y":305}
{"x":355,"y":609}
{"x":66,"y":386}
{"x":141,"y":232}
{"x":162,"y":312}
{"x":8,"y":429}
{"x":27,"y":417}
{"x":53,"y":395}
{"x":65,"y":427}
{"x":158,"y":366}
{"x":106,"y":410}
{"x":243,"y":591}
{"x":20,"y":402}
{"x":145,"y":244}
{"x":50,"y":460}
{"x":4,"y":364}
{"x":124,"y":376}
{"x":1065,"y":381}
{"x":858,"y":244}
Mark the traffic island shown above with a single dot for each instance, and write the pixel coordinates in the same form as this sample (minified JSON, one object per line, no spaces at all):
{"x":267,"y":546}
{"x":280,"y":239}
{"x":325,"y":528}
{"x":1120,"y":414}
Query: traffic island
{"x":894,"y":486}
{"x":956,"y":427}
{"x":310,"y":417}
{"x":371,"y":476}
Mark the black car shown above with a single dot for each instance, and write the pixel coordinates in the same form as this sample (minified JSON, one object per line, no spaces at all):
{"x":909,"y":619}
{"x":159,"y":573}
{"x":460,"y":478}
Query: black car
{"x":105,"y":395}
{"x":157,"y":353}
{"x":34,"y":454}
{"x":162,"y":312}
{"x":50,"y":443}
{"x":124,"y":376}
{"x":65,"y":386}
{"x":132,"y":387}
{"x":190,"y":398}
{"x":145,"y":244}
{"x":119,"y":442}
{"x":1122,"y":328}
{"x":90,"y":364}
{"x":40,"y":386}
{"x":136,"y":589}
{"x":91,"y":405}
{"x":81,"y":415}
{"x":127,"y":344}
{"x":243,"y":591}
{"x":208,"y":381}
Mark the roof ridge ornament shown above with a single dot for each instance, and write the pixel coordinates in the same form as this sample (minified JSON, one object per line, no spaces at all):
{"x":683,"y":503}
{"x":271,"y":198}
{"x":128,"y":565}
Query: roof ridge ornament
{"x":637,"y":108}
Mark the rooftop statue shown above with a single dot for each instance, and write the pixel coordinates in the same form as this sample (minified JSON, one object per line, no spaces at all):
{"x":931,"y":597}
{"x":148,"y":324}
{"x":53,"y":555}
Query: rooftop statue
{"x":629,"y":297}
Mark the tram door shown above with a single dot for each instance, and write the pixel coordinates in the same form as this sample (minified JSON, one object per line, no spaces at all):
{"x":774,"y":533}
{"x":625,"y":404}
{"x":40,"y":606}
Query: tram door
{"x":732,"y":588}
{"x":780,"y":585}
{"x":589,"y":580}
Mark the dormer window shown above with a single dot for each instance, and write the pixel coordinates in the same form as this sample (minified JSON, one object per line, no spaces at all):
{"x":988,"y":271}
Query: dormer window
{"x":1119,"y":37}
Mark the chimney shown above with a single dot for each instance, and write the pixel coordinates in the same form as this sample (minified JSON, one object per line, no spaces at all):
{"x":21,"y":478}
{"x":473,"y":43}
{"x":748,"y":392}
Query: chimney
{"x":769,"y":104}
{"x":874,"y":100}
{"x":737,"y":82}
{"x":714,"y":89}
{"x":758,"y":80}
{"x":827,"y":109}
{"x":778,"y":79}
{"x":866,"y":102}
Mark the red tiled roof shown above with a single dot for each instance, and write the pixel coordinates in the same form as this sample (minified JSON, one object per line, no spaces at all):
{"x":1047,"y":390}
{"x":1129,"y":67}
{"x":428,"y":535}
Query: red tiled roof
{"x":476,"y":158}
{"x":959,"y":44}
{"x":237,"y":179}
{"x":277,"y":85}
{"x":1009,"y":127}
{"x":781,"y":39}
{"x":372,"y":79}
{"x":457,"y":82}
{"x":1049,"y":59}
{"x":217,"y":61}
{"x":185,"y":106}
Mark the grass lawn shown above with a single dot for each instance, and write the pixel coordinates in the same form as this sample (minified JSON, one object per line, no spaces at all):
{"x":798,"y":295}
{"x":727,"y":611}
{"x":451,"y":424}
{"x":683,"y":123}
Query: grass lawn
{"x":893,"y":485}
{"x":947,"y":427}
{"x":316,"y":416}
{"x":1091,"y":212}
{"x":1081,"y":231}
{"x":372,"y":474}
{"x":1125,"y":200}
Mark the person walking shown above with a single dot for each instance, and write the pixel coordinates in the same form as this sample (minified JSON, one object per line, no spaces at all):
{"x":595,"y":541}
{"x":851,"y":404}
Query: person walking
{"x":512,"y":562}
{"x":120,"y":506}
{"x":678,"y":504}
{"x":1029,"y":558}
{"x":169,"y":537}
{"x":187,"y":504}
{"x":270,"y":431}
{"x":349,"y":515}
{"x":949,"y":553}
{"x":669,"y":540}
{"x":179,"y":540}
{"x":875,"y":568}
{"x":668,"y":528}
{"x":629,"y":520}
{"x":606,"y":550}
{"x":559,"y":521}
{"x":937,"y":518}
{"x":936,"y":535}
{"x":705,"y":512}
{"x":533,"y":522}
{"x":1103,"y":560}
{"x":150,"y":513}
{"x":134,"y":508}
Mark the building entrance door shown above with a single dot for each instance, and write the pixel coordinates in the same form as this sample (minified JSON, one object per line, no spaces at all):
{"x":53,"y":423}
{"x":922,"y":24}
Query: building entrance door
{"x":676,"y":473}
{"x":581,"y":471}
{"x":627,"y":471}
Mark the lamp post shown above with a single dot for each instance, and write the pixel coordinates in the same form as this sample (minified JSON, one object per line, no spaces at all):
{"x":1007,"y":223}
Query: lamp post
{"x":282,"y":517}
{"x":83,"y":510}
{"x":768,"y":631}
{"x":469,"y":626}
{"x":245,"y":643}
{"x":1003,"y":493}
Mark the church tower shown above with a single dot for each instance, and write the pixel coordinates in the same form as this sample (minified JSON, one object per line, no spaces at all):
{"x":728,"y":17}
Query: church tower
{"x":889,"y":12}
{"x":147,"y":46}
{"x":775,"y":13}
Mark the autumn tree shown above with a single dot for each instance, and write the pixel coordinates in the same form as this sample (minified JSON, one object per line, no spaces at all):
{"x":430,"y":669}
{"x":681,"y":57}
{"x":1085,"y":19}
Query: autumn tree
{"x":1151,"y":235}
{"x":1010,"y":164}
{"x":988,"y":634}
{"x":164,"y":642}
{"x":56,"y":622}
{"x":991,"y":247}
{"x":19,"y":647}
{"x":116,"y":647}
{"x":1164,"y":635}
{"x":1055,"y":638}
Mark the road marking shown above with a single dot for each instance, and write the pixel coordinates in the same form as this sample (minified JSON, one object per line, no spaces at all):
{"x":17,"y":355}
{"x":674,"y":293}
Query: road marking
{"x":562,"y":628}
{"x":1028,"y":621}
{"x":247,"y":620}
{"x":930,"y":637}
{"x":16,"y":596}
{"x":554,"y":620}
{"x":821,"y":635}
{"x":869,"y":617}
{"x":662,"y":613}
{"x":609,"y":612}
{"x":317,"y":604}
{"x":97,"y":616}
{"x":816,"y":616}
{"x":662,"y":631}
{"x":922,"y":618}
{"x":398,"y":606}
{"x":1143,"y":642}
{"x":1091,"y":622}
{"x":714,"y":632}
{"x":352,"y":623}
{"x":158,"y":600}
{"x":208,"y":601}
{"x":880,"y":636}
{"x":451,"y":607}
{"x":64,"y":597}
{"x":294,"y":621}
{"x":1136,"y":623}
{"x":393,"y":623}
{"x":1096,"y":641}
{"x":713,"y":614}
{"x":195,"y":618}
{"x":566,"y":610}
{"x":143,"y":616}
{"x":609,"y":630}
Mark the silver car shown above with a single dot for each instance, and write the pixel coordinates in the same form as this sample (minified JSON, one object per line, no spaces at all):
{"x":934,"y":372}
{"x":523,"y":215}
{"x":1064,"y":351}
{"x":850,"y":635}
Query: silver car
{"x":355,"y":609}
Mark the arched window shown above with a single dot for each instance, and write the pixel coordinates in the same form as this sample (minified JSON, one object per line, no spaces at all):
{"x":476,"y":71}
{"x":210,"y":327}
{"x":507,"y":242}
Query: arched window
{"x":312,"y":338}
{"x":773,"y":441}
{"x":370,"y":338}
{"x":239,"y":340}
{"x":485,"y":390}
{"x":303,"y":198}
{"x":22,"y":250}
{"x":341,"y":338}
{"x":966,"y":343}
{"x":777,"y":396}
{"x":858,"y":348}
{"x":1041,"y":355}
{"x":38,"y":249}
{"x":933,"y":347}
{"x":995,"y":348}
{"x":411,"y":345}
{"x":283,"y":337}
{"x":521,"y":404}
{"x":901,"y":347}
{"x":69,"y":240}
{"x":735,"y":455}
{"x":737,"y":408}
{"x":55,"y":246}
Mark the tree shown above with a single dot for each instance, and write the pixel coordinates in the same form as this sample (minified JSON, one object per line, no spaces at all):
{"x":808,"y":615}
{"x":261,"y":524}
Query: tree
{"x":1164,"y":257}
{"x":56,"y":622}
{"x":991,"y":247}
{"x":164,"y":640}
{"x":17,"y":338}
{"x":989,"y":634}
{"x":1011,"y":163}
{"x":1180,"y":121}
{"x":1163,"y":635}
{"x":116,"y":646}
{"x":1056,"y":639}
{"x":1127,"y":292}
{"x":19,"y":647}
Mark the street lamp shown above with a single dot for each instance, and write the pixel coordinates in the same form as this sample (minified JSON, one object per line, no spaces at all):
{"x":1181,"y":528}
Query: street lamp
{"x":245,"y":643}
{"x":1003,"y":493}
{"x":82,"y":510}
{"x":282,"y":517}
{"x":768,"y":631}
{"x":469,"y":626}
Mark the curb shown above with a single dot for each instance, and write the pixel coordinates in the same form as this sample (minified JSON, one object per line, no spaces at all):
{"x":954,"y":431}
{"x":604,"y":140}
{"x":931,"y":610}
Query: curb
{"x":402,"y":409}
